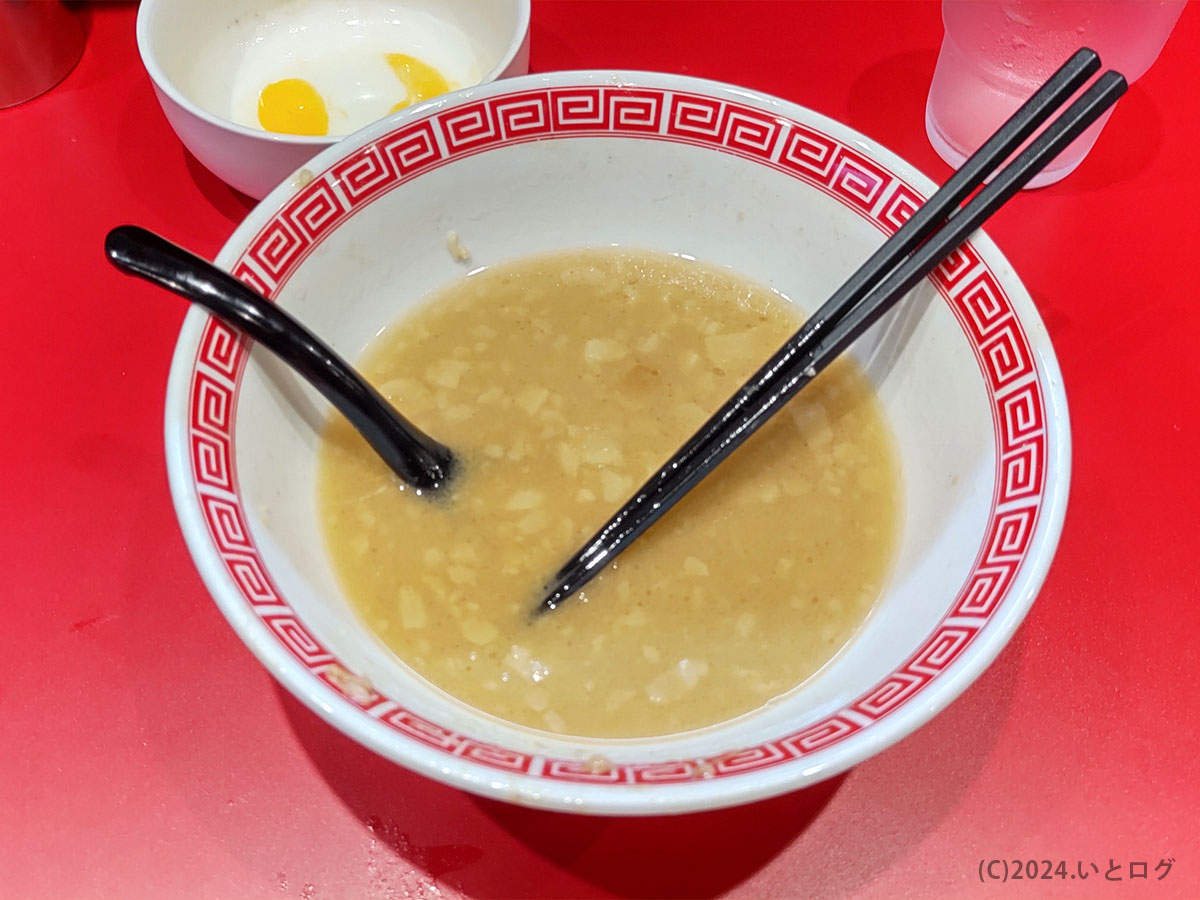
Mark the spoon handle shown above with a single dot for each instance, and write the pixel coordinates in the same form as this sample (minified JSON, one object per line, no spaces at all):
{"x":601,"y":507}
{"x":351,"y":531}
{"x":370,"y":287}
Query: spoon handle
{"x":417,"y":458}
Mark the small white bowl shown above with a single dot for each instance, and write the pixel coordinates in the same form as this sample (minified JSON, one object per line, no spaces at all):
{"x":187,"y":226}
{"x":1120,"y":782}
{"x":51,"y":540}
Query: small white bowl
{"x":194,"y":51}
{"x":793,"y":199}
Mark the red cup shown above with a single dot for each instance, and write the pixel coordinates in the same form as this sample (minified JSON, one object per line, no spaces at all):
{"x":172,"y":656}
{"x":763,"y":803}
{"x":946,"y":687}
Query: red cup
{"x":40,"y":43}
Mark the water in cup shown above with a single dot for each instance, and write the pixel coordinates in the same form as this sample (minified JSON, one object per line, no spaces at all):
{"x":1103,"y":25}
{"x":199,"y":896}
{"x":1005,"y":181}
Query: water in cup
{"x":995,"y":53}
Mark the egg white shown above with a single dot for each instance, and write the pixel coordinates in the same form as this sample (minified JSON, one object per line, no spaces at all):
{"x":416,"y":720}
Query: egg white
{"x":340,"y":49}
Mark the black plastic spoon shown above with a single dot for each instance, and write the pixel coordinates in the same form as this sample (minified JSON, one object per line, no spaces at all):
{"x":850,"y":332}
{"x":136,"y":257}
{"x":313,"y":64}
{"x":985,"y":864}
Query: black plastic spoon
{"x":417,"y":458}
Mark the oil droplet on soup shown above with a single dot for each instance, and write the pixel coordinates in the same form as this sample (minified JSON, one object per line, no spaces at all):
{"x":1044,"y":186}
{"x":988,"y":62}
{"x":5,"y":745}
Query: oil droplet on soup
{"x":564,"y":381}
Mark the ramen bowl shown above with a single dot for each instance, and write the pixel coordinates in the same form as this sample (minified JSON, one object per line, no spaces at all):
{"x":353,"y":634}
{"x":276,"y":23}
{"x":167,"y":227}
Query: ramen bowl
{"x":209,"y":60}
{"x":784,"y":196}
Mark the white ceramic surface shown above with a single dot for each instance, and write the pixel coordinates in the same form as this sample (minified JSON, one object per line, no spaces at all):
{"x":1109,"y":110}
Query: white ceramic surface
{"x":770,"y":189}
{"x":192,"y":50}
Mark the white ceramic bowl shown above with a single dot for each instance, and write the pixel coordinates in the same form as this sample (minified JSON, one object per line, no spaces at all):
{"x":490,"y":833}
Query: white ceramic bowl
{"x":777,"y":192}
{"x":194,"y":51}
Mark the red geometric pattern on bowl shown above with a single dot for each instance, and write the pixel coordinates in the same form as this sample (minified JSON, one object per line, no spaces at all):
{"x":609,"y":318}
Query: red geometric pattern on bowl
{"x":605,"y":109}
{"x":971,"y":291}
{"x":737,"y":128}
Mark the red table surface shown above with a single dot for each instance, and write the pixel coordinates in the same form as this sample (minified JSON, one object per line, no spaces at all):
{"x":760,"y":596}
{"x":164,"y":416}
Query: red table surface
{"x":144,"y":752}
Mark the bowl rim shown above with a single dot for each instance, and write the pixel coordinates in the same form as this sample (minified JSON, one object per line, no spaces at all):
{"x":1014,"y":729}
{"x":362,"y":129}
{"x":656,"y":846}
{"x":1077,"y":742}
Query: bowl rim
{"x":158,"y":76}
{"x":632,"y":799}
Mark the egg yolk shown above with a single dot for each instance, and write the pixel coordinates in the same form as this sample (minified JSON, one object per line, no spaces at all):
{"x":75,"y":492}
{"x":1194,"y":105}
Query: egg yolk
{"x":292,"y":106}
{"x":421,"y":80}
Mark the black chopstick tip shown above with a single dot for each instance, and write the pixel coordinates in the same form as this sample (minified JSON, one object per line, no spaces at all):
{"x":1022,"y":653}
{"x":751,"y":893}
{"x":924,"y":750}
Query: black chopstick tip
{"x":558,"y":593}
{"x":551,"y":601}
{"x":1116,"y":79}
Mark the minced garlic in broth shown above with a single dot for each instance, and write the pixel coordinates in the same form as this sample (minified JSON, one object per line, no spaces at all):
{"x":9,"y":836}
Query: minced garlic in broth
{"x":563,"y":382}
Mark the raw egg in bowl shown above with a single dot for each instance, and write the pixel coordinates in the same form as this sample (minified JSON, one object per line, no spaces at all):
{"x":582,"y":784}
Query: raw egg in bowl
{"x":254,"y":88}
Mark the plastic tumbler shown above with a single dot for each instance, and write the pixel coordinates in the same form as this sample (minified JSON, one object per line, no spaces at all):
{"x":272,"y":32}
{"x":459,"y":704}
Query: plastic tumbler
{"x":995,"y":53}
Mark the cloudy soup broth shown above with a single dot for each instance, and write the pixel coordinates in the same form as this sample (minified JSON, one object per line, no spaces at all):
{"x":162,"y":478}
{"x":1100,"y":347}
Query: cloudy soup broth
{"x":563,"y":382}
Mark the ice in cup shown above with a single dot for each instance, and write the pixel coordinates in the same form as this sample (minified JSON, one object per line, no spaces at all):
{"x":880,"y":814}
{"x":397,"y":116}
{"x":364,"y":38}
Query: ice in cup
{"x":995,"y":53}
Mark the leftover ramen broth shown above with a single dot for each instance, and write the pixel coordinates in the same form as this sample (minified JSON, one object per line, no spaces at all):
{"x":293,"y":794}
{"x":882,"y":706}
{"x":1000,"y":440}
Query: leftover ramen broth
{"x":565,"y":381}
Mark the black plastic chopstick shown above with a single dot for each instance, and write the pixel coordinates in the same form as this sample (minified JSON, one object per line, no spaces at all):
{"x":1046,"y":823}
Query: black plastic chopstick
{"x":803,"y":357}
{"x":1051,"y":96}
